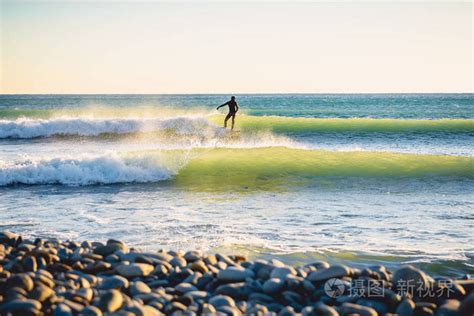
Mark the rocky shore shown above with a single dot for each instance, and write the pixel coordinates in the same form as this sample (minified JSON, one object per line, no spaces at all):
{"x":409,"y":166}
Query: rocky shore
{"x":53,"y":277}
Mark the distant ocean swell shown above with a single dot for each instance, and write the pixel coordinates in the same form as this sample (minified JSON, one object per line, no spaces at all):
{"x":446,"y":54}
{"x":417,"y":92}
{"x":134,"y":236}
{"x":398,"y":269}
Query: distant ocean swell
{"x":24,"y":128}
{"x":213,"y":168}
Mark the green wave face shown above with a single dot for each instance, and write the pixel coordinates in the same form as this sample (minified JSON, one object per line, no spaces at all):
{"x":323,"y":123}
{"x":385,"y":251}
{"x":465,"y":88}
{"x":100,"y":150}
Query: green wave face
{"x":270,"y":168}
{"x":298,"y":125}
{"x":12,"y":114}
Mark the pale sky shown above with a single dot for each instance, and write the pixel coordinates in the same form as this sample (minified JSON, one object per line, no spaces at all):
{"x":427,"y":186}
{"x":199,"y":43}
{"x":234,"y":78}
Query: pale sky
{"x":229,"y":47}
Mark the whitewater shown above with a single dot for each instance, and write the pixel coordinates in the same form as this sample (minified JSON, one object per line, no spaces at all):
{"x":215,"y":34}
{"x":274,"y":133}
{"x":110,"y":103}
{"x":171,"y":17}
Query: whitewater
{"x":389,"y":177}
{"x":31,"y":128}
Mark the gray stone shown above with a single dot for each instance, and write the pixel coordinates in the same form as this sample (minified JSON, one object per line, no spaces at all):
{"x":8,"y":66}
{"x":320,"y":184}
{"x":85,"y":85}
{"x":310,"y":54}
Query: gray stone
{"x":430,"y":305}
{"x":21,"y":280}
{"x":380,"y":307}
{"x":208,"y":309}
{"x":264,"y":272}
{"x":257,"y":309}
{"x":226,"y":259}
{"x":260,"y":297}
{"x":467,"y":305}
{"x":85,"y":293}
{"x":117,"y":242}
{"x":41,"y":293}
{"x":43,"y":279}
{"x":147,"y":298}
{"x":7,"y":237}
{"x":132,"y":256}
{"x":193,"y":278}
{"x":139,"y":287}
{"x":406,"y":308}
{"x":62,"y":310}
{"x":242,"y":306}
{"x":412,"y":275}
{"x":115,"y":282}
{"x":294,"y":282}
{"x":222,"y":300}
{"x":234,"y":274}
{"x":178,"y":262}
{"x":324,"y":310}
{"x":277,"y":263}
{"x":221,"y":265}
{"x":273,"y":286}
{"x":163,"y":256}
{"x":134,"y":270}
{"x":199,"y":265}
{"x":229,"y":310}
{"x":282,"y":272}
{"x":308,"y":311}
{"x":424,"y":311}
{"x":449,"y":308}
{"x":287,"y":311}
{"x":29,"y":264}
{"x":110,"y":301}
{"x":75,"y":307}
{"x":91,"y":311}
{"x":175,"y":306}
{"x":107,"y":249}
{"x":197,"y":294}
{"x":144,"y":310}
{"x":235,"y":290}
{"x":318,"y":265}
{"x":211,"y":259}
{"x":349,"y":308}
{"x":192,"y":256}
{"x":346,"y":299}
{"x":185,"y":287}
{"x":17,"y":307}
{"x":112,"y":258}
{"x":468,"y":285}
{"x":336,"y":271}
{"x":160,"y":269}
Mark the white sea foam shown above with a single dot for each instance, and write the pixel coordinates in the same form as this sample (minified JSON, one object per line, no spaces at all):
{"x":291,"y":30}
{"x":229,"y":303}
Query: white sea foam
{"x":32,"y":128}
{"x":106,"y":169}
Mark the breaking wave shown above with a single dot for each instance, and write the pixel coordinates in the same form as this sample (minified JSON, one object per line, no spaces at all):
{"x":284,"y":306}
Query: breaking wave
{"x":208,"y":169}
{"x":105,"y":169}
{"x":26,"y":128}
{"x":208,"y":126}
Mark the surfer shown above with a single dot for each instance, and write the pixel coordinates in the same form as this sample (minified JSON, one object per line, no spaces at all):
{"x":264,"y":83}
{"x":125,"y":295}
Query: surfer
{"x":233,"y":108}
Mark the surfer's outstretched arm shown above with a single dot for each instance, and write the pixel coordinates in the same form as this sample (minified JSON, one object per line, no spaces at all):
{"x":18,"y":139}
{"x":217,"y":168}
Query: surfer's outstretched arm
{"x":221,"y":105}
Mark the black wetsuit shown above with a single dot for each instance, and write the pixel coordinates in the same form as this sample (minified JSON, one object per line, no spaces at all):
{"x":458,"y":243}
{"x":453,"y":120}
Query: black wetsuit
{"x":233,"y":108}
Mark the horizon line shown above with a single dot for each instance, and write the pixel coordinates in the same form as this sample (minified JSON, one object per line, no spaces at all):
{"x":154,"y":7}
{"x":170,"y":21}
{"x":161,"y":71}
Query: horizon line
{"x":234,"y":93}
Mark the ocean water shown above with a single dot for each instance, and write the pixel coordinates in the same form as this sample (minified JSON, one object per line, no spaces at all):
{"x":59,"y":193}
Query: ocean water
{"x":360,"y":179}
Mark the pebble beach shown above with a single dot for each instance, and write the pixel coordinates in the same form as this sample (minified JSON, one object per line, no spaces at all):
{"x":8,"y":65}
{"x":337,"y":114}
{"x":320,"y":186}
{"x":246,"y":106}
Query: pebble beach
{"x":54,"y":277}
{"x":267,"y":158}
